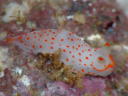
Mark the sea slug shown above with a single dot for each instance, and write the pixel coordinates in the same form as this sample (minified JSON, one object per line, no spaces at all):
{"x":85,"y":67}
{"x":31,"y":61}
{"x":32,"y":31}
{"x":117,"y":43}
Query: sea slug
{"x":74,"y":51}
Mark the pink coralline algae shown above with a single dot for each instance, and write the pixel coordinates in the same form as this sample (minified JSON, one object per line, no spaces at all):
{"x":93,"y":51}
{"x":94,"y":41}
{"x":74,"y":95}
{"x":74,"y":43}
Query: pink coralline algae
{"x":42,"y":18}
{"x":7,"y":82}
{"x":74,"y":50}
{"x":60,"y":89}
{"x":94,"y":86}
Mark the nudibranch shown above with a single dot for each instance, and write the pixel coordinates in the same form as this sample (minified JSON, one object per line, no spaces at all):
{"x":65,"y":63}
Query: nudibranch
{"x":74,"y":51}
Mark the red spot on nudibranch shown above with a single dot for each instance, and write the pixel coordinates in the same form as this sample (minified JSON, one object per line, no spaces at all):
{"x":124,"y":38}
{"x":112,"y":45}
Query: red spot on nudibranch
{"x":78,"y":45}
{"x":34,"y":32}
{"x":40,"y":35}
{"x":82,"y":50}
{"x":27,"y":38}
{"x":53,"y":38}
{"x":73,"y":47}
{"x":86,"y":58}
{"x":78,"y":39}
{"x":49,"y":30}
{"x":51,"y":47}
{"x":100,"y":58}
{"x":96,"y":49}
{"x":73,"y":56}
{"x":40,"y":46}
{"x":64,"y":50}
{"x":39,"y":39}
{"x":70,"y":33}
{"x":67,"y":59}
{"x":89,"y":50}
{"x":107,"y":44}
{"x":19,"y":38}
{"x":67,"y":46}
{"x":79,"y":54}
{"x":44,"y":32}
{"x":72,"y":39}
{"x":85,"y":64}
{"x":70,"y":52}
{"x":54,"y":32}
{"x":33,"y":46}
{"x":62,"y":39}
{"x":45,"y":40}
{"x":82,"y":70}
{"x":80,"y":60}
{"x":35,"y":36}
{"x":90,"y":54}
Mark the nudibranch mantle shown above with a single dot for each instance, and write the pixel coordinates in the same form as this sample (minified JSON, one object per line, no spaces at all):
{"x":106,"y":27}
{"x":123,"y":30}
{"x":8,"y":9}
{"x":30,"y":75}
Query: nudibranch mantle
{"x":74,"y":51}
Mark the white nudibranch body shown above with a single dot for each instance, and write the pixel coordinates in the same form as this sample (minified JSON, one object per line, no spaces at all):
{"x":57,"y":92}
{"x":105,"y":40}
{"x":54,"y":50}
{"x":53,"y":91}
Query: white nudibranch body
{"x":74,"y":51}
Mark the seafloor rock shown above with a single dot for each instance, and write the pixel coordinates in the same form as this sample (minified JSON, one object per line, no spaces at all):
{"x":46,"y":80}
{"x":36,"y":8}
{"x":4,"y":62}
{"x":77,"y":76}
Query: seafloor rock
{"x":103,"y":19}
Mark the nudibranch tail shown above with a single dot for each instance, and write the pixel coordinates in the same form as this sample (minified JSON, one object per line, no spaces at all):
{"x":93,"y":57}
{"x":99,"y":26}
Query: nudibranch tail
{"x":107,"y":44}
{"x":9,"y":40}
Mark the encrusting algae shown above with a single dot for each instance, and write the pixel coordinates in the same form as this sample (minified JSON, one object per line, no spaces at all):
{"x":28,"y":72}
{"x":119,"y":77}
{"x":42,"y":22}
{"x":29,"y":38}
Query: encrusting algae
{"x":51,"y":65}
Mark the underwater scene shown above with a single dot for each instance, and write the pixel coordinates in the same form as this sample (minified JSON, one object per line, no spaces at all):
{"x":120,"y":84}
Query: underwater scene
{"x":63,"y":47}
